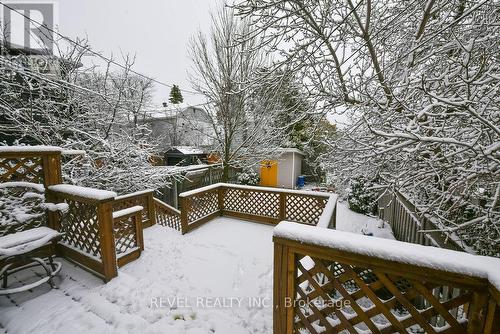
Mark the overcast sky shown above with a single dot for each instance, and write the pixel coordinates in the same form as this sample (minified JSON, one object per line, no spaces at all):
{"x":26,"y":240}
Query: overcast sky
{"x":157,"y":31}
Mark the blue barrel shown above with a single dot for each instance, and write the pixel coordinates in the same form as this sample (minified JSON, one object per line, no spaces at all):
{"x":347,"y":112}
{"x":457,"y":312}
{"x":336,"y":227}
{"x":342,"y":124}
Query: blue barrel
{"x":301,"y":181}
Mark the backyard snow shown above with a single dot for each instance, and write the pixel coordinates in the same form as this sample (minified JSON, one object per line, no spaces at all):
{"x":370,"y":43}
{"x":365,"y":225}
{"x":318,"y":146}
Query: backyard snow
{"x":226,"y":264}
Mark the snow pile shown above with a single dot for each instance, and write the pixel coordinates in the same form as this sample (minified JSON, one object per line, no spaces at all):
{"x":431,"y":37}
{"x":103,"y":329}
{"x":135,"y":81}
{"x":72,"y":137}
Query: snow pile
{"x":85,"y":192}
{"x":392,"y":250}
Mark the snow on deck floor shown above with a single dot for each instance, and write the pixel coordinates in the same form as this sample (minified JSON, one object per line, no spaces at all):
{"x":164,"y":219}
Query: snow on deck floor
{"x":225,"y":261}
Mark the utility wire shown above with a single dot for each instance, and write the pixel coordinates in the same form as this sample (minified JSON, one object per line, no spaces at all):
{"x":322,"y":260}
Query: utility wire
{"x":87,"y":48}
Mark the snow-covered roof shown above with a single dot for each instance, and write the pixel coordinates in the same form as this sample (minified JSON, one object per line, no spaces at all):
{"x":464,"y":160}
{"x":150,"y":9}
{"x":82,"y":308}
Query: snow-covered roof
{"x":188,"y":150}
{"x":290,"y":150}
{"x":35,"y":148}
{"x":169,"y":111}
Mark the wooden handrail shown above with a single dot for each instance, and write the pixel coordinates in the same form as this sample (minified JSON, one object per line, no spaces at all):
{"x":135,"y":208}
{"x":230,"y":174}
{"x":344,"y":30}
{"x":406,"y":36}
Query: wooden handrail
{"x":167,"y":215}
{"x":127,"y":222}
{"x":143,"y":198}
{"x":433,"y":286}
{"x":257,"y":204}
{"x":89,"y":236}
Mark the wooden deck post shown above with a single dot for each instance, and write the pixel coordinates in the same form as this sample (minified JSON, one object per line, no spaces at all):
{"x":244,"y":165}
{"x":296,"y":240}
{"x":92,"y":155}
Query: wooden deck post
{"x":51,"y":164}
{"x":220,"y":199}
{"x":282,"y":213}
{"x":138,"y":230}
{"x":283,"y":289}
{"x":107,"y":239}
{"x":184,"y":214}
{"x":151,"y":209}
{"x":333,"y":219}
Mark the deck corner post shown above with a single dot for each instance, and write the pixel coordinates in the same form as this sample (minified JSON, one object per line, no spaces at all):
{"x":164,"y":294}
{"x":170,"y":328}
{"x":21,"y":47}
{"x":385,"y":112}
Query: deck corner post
{"x":184,"y":214}
{"x":220,"y":199}
{"x":107,"y":239}
{"x":151,"y":209}
{"x":282,"y":204}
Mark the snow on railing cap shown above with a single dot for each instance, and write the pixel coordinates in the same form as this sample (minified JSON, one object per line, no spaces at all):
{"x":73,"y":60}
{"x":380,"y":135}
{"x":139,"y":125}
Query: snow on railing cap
{"x":393,"y":250}
{"x":89,"y":193}
{"x":256,"y":188}
{"x":35,"y":148}
{"x":73,"y":152}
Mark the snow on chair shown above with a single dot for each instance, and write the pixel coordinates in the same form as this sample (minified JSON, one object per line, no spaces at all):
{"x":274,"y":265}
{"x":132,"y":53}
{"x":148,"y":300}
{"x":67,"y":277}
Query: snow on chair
{"x":18,"y":251}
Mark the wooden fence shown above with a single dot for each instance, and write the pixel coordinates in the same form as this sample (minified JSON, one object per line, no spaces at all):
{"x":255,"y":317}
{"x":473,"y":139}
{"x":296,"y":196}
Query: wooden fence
{"x":407,"y":224}
{"x":194,"y":178}
{"x":258,"y":204}
{"x":336,"y":282}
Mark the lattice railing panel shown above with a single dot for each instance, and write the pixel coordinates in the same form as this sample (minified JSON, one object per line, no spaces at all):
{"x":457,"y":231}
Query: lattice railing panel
{"x":253,"y":202}
{"x":304,"y":209}
{"x":28,"y":169}
{"x":334,"y":297}
{"x":202,"y":205}
{"x":81,"y":228}
{"x":131,"y":202}
{"x":125,"y":235}
{"x":167,"y":216}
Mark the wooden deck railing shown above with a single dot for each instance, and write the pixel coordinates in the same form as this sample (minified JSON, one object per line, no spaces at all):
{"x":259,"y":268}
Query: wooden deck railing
{"x":92,"y":238}
{"x":258,"y":204}
{"x":141,"y":198}
{"x":31,"y":164}
{"x":407,"y":224}
{"x":167,"y":215}
{"x":88,"y":230}
{"x":329,"y":281}
{"x":127,"y":231}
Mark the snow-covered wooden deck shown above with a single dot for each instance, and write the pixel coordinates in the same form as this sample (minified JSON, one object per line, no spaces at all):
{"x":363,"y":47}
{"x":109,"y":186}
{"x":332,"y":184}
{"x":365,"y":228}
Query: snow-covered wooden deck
{"x":226,"y":258}
{"x":226,"y":261}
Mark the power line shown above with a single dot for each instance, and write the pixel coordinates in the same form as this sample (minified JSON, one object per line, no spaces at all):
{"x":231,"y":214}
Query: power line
{"x":87,"y":48}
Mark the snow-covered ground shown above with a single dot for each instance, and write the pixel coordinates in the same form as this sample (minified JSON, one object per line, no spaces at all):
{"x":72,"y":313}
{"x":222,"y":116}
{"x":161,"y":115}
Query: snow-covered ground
{"x":215,"y":279}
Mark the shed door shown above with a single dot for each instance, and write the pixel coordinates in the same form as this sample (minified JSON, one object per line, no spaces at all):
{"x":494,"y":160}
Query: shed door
{"x":269,"y":173}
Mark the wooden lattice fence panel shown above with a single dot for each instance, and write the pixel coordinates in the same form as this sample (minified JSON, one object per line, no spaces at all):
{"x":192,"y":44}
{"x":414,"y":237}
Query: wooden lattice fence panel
{"x":133,"y":201}
{"x":202,"y":205}
{"x":167,"y":215}
{"x":125,"y":235}
{"x":80,"y":226}
{"x":336,"y":297}
{"x":28,"y":169}
{"x":304,"y":209}
{"x":252,"y":202}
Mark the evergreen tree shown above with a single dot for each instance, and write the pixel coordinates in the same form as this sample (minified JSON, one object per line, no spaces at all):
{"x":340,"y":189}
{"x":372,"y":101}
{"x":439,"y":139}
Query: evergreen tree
{"x":175,"y":95}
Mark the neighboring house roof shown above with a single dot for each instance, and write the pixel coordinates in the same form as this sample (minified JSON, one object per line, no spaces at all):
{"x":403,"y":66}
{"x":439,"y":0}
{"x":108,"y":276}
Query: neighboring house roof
{"x":180,"y":110}
{"x":187,"y":150}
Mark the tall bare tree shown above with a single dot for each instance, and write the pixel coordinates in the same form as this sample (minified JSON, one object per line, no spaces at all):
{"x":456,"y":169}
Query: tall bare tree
{"x":226,"y":65}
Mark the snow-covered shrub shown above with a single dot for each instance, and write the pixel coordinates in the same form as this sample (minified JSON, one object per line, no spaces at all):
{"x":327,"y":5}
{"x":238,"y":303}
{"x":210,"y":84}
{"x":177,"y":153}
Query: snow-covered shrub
{"x":248,"y":177}
{"x":361,"y":197}
{"x":23,"y":206}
